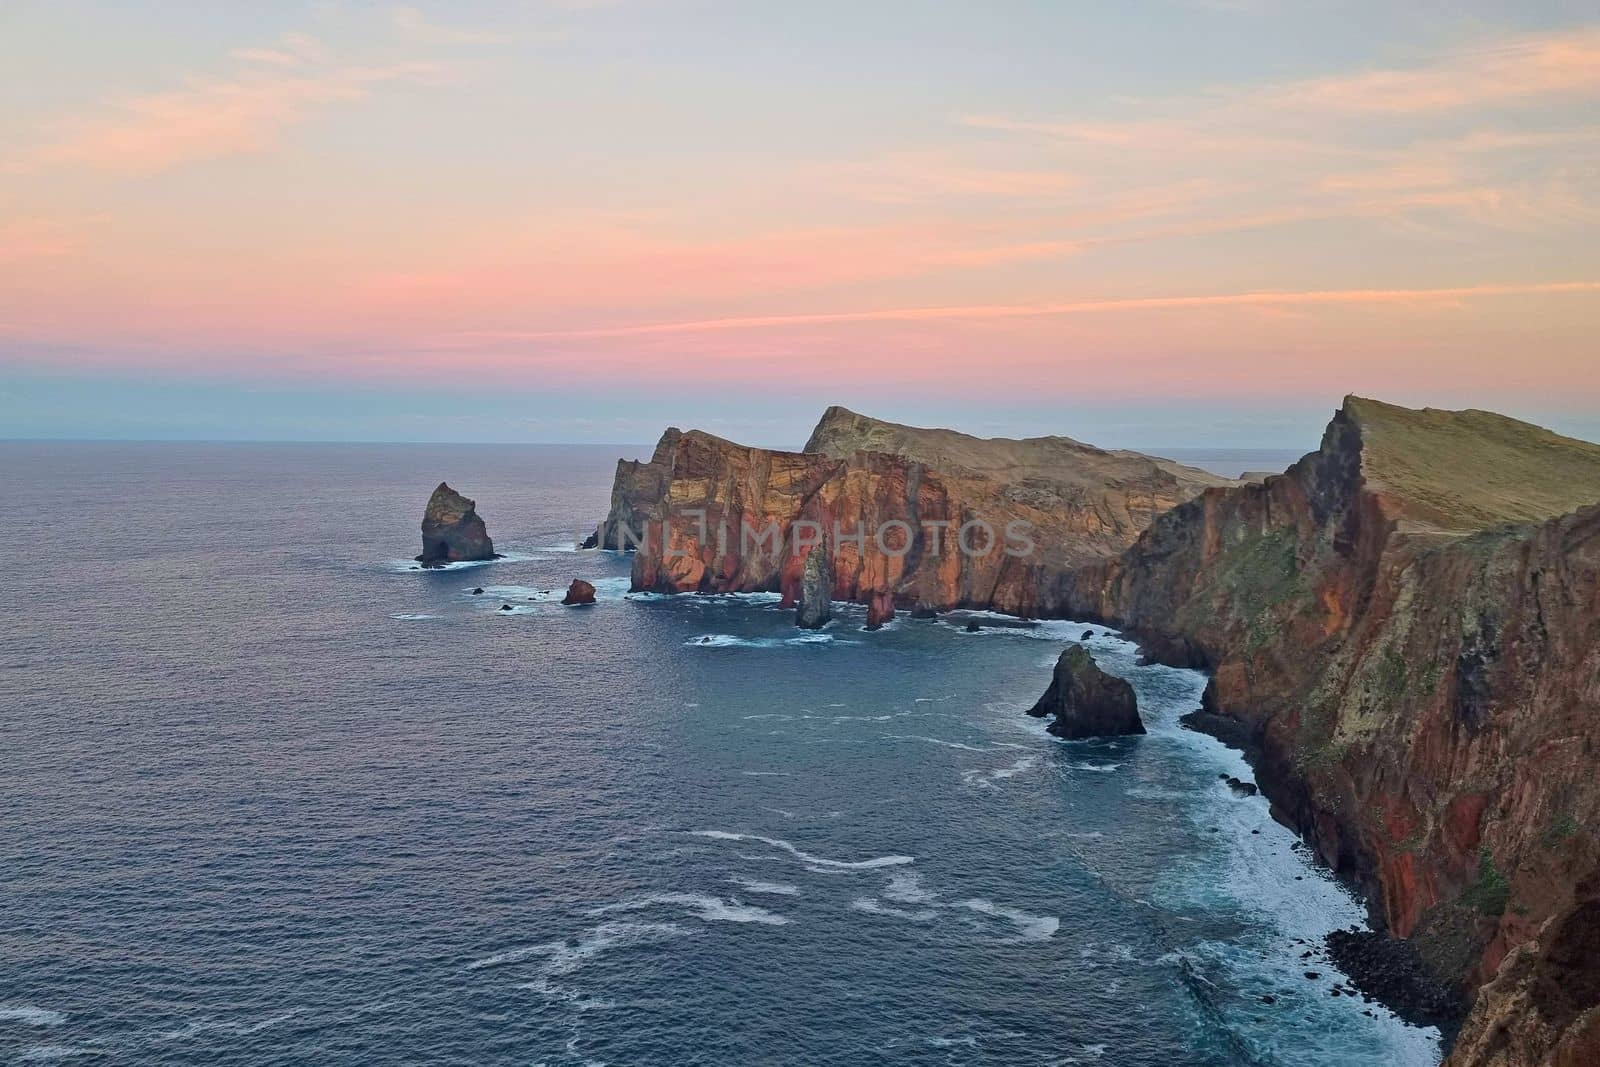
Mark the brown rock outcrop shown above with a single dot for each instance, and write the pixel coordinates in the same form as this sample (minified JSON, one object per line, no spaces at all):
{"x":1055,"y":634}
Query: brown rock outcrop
{"x":1543,"y":1005}
{"x":1407,"y":625}
{"x":911,"y":517}
{"x":1084,"y":701}
{"x":579,"y":593}
{"x":452,"y":531}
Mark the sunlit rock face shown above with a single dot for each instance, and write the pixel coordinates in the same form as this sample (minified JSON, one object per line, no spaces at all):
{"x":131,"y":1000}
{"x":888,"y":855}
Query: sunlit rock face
{"x":913,"y":518}
{"x":1408,"y":623}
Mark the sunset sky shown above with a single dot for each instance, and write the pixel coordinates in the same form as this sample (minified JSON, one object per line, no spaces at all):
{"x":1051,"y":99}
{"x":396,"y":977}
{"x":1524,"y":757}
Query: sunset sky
{"x":1163,"y":224}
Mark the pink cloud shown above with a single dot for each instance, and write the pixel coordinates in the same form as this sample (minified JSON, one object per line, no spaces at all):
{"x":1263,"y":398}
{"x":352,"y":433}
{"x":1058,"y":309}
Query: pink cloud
{"x":209,"y":119}
{"x":1005,"y":311}
{"x":1545,"y":65}
{"x":35,"y":238}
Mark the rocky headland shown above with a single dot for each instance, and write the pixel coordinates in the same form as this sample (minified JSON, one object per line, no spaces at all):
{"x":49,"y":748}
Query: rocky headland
{"x":1404,"y":627}
{"x":452,"y":531}
{"x":1402,"y":630}
{"x":938,"y":511}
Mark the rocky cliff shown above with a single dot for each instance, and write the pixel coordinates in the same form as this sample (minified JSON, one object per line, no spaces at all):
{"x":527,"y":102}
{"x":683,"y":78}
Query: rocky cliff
{"x":1403,"y":629}
{"x":1407,"y":625}
{"x":452,"y":531}
{"x":927,"y":519}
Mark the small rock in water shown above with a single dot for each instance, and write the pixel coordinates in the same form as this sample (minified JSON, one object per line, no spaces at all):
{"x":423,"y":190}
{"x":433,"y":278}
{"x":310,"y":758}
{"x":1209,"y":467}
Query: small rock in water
{"x":973,"y":627}
{"x":505,"y":607}
{"x":1269,"y":1000}
{"x":1086,"y":635}
{"x":478,"y":591}
{"x":1313,"y":975}
{"x":579,"y":592}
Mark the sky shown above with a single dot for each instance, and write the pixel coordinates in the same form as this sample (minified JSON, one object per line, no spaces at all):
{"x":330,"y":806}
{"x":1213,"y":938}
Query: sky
{"x":1181,"y":224}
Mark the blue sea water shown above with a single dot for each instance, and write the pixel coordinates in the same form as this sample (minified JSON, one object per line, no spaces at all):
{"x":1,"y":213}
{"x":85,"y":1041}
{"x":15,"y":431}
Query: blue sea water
{"x":270,"y":796}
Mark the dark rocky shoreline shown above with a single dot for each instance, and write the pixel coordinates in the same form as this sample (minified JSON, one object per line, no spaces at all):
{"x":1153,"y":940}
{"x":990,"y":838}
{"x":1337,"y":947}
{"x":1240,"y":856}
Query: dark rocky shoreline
{"x":1383,"y":968}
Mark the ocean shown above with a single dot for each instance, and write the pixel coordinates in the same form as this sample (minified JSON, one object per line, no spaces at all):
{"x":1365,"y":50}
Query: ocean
{"x":270,"y":795}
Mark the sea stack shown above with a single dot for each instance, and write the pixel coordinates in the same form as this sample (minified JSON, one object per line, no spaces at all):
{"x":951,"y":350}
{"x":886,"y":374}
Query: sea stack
{"x":452,"y":531}
{"x":579,"y":593}
{"x":815,"y":606}
{"x":1086,"y":701}
{"x":880,"y":609}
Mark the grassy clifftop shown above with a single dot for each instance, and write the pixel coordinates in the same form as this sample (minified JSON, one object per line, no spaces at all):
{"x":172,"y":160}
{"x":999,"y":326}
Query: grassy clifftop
{"x":1462,"y":471}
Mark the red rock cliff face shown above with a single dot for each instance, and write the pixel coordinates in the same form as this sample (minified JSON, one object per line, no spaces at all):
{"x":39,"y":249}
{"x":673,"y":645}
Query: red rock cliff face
{"x":716,"y":516}
{"x":1409,"y":619}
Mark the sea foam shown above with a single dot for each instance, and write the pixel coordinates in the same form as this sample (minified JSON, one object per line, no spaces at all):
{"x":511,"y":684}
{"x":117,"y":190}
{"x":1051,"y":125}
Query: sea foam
{"x":703,"y":907}
{"x":806,"y":857}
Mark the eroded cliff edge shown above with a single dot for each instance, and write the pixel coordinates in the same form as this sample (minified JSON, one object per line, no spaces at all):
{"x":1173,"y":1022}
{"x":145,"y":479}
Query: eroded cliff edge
{"x":1408,"y":623}
{"x":1405,"y":627}
{"x":704,"y":510}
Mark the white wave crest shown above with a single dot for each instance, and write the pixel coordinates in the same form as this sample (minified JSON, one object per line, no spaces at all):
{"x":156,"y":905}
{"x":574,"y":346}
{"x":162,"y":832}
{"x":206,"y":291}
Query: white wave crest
{"x":1029,"y":927}
{"x":989,"y":779}
{"x":878,"y":907}
{"x":706,"y":908}
{"x":31,"y":1016}
{"x":753,"y":885}
{"x":806,"y":857}
{"x":461,"y":565}
{"x":997,"y":746}
{"x":565,"y":957}
{"x":906,"y":887}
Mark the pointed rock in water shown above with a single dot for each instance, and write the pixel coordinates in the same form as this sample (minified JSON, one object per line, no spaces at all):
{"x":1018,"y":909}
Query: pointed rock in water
{"x":452,"y":532}
{"x":578,"y":593}
{"x":815,"y":607}
{"x":1087,"y":702}
{"x":880,"y":609}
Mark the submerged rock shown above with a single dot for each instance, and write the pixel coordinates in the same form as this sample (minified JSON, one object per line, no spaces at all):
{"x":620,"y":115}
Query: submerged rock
{"x":815,"y":606}
{"x":578,"y":593}
{"x":973,"y":626}
{"x":452,"y":531}
{"x":1087,"y":702}
{"x":1239,"y":786}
